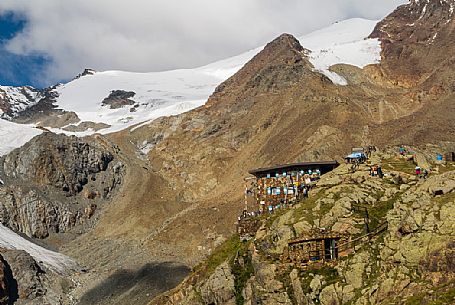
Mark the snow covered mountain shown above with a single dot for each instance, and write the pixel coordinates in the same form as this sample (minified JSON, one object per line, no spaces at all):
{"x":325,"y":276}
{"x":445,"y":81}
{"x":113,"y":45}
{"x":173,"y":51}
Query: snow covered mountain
{"x":118,"y":99}
{"x":16,"y":99}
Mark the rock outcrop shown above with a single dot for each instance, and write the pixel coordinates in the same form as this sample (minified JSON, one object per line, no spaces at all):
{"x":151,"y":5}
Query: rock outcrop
{"x":23,"y":281}
{"x":56,"y":182}
{"x":4,"y":285}
{"x":26,"y":274}
{"x":118,"y":99}
{"x":416,"y":39}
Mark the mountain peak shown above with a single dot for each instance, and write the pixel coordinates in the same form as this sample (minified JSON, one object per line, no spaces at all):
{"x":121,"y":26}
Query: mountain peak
{"x":411,"y":33}
{"x":286,"y":40}
{"x":87,"y":71}
{"x":284,"y":48}
{"x":282,"y":63}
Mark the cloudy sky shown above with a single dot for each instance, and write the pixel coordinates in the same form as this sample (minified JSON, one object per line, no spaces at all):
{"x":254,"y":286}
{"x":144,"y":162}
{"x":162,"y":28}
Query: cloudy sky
{"x":46,"y":41}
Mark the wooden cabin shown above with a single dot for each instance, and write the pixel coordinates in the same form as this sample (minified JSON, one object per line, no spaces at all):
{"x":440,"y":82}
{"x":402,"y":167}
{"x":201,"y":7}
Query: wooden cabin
{"x":283,"y":184}
{"x":315,"y":246}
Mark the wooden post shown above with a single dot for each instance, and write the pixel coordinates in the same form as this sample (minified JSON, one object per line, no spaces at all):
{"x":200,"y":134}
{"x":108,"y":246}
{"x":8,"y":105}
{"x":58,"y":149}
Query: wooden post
{"x":323,"y":249}
{"x":246,"y":196}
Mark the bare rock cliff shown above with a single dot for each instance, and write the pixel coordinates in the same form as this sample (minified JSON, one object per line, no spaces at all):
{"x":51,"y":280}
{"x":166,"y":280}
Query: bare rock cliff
{"x":56,"y":182}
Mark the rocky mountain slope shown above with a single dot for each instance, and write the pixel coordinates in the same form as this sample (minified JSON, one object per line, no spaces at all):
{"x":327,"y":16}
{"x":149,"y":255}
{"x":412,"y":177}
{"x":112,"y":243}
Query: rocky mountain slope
{"x":51,"y":188}
{"x":56,"y":182}
{"x":182,"y":179}
{"x":416,"y":41}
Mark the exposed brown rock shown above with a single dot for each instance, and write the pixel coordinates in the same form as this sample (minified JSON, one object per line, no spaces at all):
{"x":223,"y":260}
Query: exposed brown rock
{"x":119,"y":98}
{"x":417,"y":40}
{"x":44,"y":182}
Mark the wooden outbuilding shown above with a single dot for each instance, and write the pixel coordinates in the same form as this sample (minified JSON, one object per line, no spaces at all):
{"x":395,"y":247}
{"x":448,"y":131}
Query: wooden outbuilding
{"x":315,"y":246}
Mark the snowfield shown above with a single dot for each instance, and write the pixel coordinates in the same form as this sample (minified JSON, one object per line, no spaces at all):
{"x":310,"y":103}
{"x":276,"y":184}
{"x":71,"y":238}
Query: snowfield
{"x":343,"y":42}
{"x":14,"y":135}
{"x":52,"y":260}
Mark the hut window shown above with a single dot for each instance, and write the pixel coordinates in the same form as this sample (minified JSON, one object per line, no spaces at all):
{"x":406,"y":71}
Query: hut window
{"x":268,"y":176}
{"x":330,"y":249}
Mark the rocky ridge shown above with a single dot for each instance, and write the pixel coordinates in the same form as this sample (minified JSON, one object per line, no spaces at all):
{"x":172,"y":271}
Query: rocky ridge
{"x":416,"y":31}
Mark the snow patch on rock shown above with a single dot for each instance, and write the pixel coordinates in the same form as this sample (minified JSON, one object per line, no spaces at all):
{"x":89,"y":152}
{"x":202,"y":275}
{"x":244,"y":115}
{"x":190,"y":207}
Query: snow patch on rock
{"x":14,"y":135}
{"x":343,"y":42}
{"x":53,"y":260}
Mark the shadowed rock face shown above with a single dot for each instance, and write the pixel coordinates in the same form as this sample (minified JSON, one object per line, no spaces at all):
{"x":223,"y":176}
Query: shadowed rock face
{"x":23,"y":281}
{"x":56,"y":182}
{"x":6,"y":285}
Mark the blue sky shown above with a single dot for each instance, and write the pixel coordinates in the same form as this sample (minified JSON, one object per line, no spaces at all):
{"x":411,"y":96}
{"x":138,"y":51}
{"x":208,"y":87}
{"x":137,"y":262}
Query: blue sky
{"x":43,"y":42}
{"x":16,"y":70}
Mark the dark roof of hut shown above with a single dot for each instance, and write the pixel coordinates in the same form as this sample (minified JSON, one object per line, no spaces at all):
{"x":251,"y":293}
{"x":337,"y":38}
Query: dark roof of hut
{"x":292,"y":165}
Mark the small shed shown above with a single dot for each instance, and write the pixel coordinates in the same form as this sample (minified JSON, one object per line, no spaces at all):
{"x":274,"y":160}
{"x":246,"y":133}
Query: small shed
{"x":314,"y":246}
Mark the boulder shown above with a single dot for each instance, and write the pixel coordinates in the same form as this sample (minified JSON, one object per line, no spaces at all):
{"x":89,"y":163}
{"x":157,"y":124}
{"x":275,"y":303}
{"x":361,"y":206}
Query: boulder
{"x":27,"y":275}
{"x":219,"y":288}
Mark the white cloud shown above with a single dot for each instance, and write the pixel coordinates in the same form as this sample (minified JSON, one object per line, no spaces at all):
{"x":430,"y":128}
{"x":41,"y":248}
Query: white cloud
{"x":151,"y":35}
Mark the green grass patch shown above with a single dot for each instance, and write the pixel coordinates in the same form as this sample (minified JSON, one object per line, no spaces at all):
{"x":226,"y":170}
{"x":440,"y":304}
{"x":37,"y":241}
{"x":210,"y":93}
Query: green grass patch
{"x":377,"y":212}
{"x":225,"y":251}
{"x":444,"y":294}
{"x":236,"y":253}
{"x":305,"y":208}
{"x":242,"y":269}
{"x":398,"y":164}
